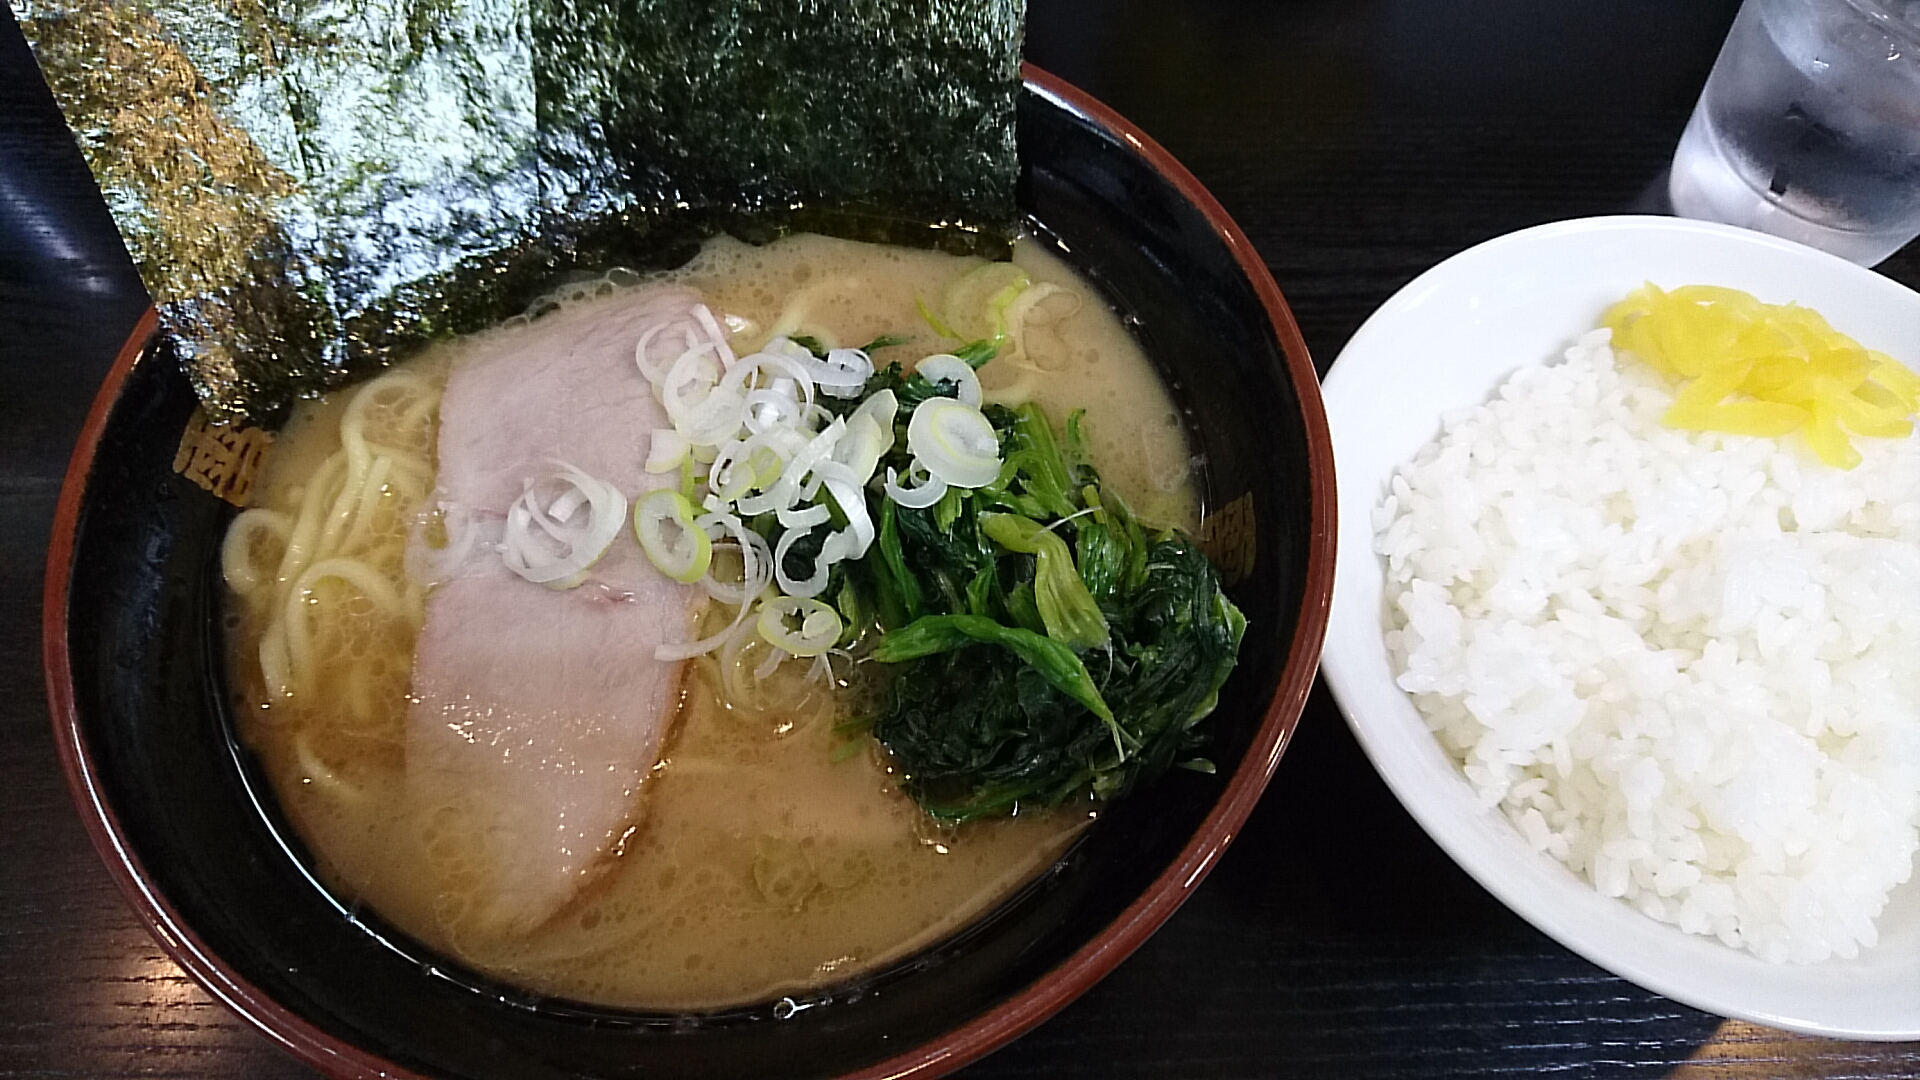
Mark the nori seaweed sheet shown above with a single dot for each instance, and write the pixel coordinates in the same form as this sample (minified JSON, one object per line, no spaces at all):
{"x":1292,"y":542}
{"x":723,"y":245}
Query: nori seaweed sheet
{"x":313,"y":188}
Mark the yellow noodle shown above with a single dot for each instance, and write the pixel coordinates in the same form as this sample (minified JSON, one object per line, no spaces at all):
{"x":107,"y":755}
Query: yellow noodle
{"x":370,"y":494}
{"x":275,"y":666}
{"x":354,"y":433}
{"x":352,"y":480}
{"x":410,"y":479}
{"x":359,"y":464}
{"x":359,"y":448}
{"x":419,"y":407}
{"x":322,"y":777}
{"x":236,"y":552}
{"x":353,"y":425}
{"x":364,"y":578}
{"x":306,"y":524}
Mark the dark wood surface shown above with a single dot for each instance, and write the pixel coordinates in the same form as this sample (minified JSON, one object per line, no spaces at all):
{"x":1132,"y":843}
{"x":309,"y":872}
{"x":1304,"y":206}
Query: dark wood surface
{"x":1357,"y":142}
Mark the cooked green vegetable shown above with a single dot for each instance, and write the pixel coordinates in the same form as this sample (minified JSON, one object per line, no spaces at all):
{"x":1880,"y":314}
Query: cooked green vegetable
{"x":1033,"y":642}
{"x":1056,"y":663}
{"x":1038,"y":643}
{"x":1066,"y":607}
{"x":979,"y":729}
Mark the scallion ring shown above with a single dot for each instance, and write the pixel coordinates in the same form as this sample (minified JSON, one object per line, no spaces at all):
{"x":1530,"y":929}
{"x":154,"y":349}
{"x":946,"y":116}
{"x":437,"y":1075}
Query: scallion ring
{"x":669,"y":450}
{"x":756,"y":559}
{"x":548,"y":540}
{"x":927,"y":489}
{"x":948,"y":368}
{"x":955,"y":441}
{"x":818,"y":625}
{"x":869,"y":435}
{"x":844,"y":373}
{"x":810,"y":586}
{"x":685,"y":555}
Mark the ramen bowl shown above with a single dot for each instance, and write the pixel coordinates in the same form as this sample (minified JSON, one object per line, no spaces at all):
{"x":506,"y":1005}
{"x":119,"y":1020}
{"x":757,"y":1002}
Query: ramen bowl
{"x":188,"y":827}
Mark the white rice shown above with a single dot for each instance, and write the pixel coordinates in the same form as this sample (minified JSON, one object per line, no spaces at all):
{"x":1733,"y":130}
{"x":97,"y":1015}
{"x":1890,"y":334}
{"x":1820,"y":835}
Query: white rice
{"x":1686,"y":665}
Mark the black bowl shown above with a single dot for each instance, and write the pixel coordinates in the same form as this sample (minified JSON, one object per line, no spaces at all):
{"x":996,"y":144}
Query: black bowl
{"x":189,"y":829}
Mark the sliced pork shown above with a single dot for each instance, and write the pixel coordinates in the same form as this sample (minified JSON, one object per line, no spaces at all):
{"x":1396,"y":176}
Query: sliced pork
{"x":537,"y":713}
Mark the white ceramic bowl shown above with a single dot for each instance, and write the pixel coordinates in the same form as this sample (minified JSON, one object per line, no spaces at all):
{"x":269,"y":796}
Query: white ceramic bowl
{"x":1447,"y":340}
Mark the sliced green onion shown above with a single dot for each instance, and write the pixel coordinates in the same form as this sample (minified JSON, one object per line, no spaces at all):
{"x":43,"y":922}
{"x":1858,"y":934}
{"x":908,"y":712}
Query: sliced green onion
{"x":869,"y":436}
{"x":927,"y":488}
{"x":842,"y":373}
{"x":955,"y":442}
{"x":669,"y":653}
{"x":786,"y":491}
{"x":946,"y":367}
{"x":553,"y":541}
{"x":818,"y":625}
{"x":932,"y":320}
{"x":686,"y":555}
{"x":746,"y":465}
{"x":756,"y":558}
{"x":1023,"y":308}
{"x":805,"y":517}
{"x":976,"y":302}
{"x":669,"y":450}
{"x":703,"y":410}
{"x":774,"y":407}
{"x":846,"y":494}
{"x":686,"y":332}
{"x":812,"y":585}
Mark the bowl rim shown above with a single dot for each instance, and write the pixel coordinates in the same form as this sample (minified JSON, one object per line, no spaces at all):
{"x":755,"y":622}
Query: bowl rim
{"x":1401,"y":749}
{"x":288,"y":1029}
{"x":996,"y":1027}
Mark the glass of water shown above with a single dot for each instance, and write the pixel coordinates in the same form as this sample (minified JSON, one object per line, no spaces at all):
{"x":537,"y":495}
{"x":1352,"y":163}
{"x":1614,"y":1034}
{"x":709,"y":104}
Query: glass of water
{"x":1809,"y":127}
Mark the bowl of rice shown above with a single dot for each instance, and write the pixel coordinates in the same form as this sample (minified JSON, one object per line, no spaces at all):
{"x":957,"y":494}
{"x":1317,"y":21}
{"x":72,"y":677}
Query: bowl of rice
{"x":1657,"y":690}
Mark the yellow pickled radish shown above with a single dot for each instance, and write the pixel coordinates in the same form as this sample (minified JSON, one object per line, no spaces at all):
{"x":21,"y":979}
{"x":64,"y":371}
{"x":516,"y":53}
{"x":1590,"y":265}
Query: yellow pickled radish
{"x":1752,"y":368}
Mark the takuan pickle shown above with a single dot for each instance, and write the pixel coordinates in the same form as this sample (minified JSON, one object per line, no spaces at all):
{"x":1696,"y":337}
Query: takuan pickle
{"x":1752,"y":368}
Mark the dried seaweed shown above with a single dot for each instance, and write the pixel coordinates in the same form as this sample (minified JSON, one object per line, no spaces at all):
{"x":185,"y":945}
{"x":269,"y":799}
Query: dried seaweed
{"x":897,"y":109}
{"x":313,"y":188}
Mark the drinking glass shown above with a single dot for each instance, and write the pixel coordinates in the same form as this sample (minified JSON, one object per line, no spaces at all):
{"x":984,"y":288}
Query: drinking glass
{"x":1809,"y":127}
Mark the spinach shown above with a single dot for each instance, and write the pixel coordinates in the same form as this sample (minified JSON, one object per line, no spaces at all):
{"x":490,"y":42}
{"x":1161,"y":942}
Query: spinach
{"x":1034,"y":644}
{"x":979,"y":729}
{"x":1024,"y":668}
{"x":1056,"y":663}
{"x":1066,"y":607}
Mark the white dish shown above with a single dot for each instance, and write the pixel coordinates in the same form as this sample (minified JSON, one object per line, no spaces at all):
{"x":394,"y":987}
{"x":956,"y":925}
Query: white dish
{"x":1447,"y":340}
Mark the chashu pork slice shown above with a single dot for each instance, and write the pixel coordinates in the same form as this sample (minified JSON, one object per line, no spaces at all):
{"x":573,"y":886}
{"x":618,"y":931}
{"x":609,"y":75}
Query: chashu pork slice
{"x":537,"y":713}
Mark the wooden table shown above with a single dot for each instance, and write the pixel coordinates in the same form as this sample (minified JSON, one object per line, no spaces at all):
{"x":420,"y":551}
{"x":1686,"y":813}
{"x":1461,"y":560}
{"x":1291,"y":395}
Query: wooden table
{"x":1357,"y":142}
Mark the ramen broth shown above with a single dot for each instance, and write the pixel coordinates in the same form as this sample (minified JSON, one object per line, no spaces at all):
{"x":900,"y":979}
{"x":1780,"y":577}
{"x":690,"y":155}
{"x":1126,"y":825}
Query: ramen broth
{"x":772,"y":853}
